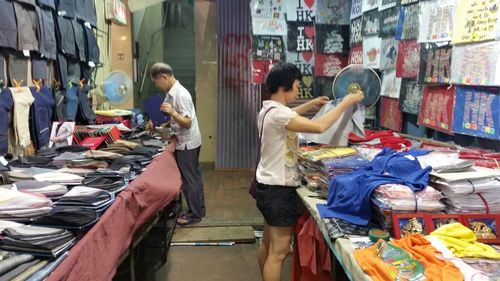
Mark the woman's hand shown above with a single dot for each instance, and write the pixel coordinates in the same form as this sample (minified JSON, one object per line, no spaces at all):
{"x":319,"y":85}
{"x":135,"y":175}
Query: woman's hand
{"x":320,"y":101}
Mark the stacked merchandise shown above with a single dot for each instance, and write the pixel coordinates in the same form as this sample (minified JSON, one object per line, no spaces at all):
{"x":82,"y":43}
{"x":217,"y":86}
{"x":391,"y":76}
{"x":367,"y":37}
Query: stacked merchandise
{"x":482,"y":158}
{"x":20,"y":206}
{"x":474,"y":191}
{"x":389,"y":199}
{"x":35,"y":240}
{"x":318,"y":164}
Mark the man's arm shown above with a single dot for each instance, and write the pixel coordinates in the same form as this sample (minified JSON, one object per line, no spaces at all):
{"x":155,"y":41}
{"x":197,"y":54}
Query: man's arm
{"x":183,"y":121}
{"x":305,"y":107}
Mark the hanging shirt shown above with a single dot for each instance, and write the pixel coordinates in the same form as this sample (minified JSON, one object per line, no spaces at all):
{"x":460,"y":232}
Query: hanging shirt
{"x":180,"y":100}
{"x":278,"y":160}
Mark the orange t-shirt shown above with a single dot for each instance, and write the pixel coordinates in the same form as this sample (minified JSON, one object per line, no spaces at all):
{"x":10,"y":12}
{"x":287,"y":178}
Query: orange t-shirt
{"x":419,"y":248}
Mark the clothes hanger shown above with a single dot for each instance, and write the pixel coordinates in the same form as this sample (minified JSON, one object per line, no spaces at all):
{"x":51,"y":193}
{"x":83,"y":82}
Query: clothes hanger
{"x":38,"y":84}
{"x":17,"y":84}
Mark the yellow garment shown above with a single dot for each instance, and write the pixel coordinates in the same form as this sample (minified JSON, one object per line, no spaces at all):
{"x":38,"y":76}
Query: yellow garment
{"x":463,"y":242}
{"x":113,"y":112}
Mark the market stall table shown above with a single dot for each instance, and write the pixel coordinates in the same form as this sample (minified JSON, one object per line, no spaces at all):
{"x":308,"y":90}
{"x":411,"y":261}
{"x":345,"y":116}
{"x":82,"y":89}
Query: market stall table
{"x":96,"y":255}
{"x":342,"y":248}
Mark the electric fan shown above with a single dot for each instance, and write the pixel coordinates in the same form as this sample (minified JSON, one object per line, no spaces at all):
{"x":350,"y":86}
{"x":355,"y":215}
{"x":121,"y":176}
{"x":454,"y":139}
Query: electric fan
{"x":115,"y":90}
{"x":357,"y":77}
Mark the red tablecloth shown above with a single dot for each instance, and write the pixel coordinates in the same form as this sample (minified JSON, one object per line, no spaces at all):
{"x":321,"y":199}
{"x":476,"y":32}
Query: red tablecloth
{"x":95,"y":256}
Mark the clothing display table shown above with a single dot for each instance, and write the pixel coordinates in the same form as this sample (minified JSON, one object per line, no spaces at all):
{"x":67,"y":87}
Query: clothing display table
{"x":96,"y":255}
{"x":341,"y":248}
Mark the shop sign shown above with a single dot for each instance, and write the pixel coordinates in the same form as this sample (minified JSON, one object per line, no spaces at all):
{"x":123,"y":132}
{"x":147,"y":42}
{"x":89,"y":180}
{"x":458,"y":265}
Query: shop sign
{"x":436,"y":108}
{"x":300,"y":37}
{"x":410,"y":96}
{"x":475,"y":21}
{"x":477,"y":112}
{"x":120,"y":13}
{"x":390,"y":116}
{"x":408,"y":62}
{"x":332,"y":39}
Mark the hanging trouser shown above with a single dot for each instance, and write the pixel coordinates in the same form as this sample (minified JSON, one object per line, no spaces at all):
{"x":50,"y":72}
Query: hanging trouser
{"x":6,"y":105}
{"x":192,"y":184}
{"x":66,"y":8}
{"x":48,"y":41}
{"x":28,"y":2}
{"x":19,"y":136}
{"x":3,"y":73}
{"x":27,"y":27}
{"x":39,"y":68}
{"x":41,"y":115}
{"x":47,"y":4}
{"x":85,"y":11}
{"x":65,"y":36}
{"x":8,"y":25}
{"x":62,"y":66}
{"x":74,"y":73}
{"x":60,"y":105}
{"x":92,"y":47}
{"x":18,"y":68}
{"x":71,"y":103}
{"x":86,"y":71}
{"x":80,"y":40}
{"x":85,"y":114}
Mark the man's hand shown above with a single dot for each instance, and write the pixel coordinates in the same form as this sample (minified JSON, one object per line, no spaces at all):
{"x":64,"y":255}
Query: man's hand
{"x":167,"y":108}
{"x":149,"y":126}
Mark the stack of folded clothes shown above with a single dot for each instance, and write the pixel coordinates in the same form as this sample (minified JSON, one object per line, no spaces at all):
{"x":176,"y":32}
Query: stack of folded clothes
{"x":476,"y":190}
{"x":317,"y":165}
{"x":481,"y":157}
{"x":109,"y":181}
{"x":21,"y":206}
{"x":52,"y":190}
{"x":86,"y":197}
{"x":67,"y":217}
{"x":36,"y":240}
{"x":389,"y":199}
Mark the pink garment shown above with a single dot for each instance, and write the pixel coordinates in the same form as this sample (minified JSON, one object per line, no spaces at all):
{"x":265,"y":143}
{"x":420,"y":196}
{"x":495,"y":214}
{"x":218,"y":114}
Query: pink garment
{"x":311,"y":260}
{"x":95,"y":256}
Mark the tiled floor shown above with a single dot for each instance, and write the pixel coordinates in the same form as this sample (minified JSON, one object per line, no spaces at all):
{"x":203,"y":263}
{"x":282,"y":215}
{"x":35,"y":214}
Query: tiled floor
{"x":228,"y":203}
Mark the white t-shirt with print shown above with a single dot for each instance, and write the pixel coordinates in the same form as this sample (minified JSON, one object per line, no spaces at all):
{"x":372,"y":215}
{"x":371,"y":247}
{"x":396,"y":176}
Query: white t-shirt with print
{"x":278,"y":161}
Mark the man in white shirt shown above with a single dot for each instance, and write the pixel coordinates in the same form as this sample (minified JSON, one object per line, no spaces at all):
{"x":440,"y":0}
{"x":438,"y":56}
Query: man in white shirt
{"x":184,"y":125}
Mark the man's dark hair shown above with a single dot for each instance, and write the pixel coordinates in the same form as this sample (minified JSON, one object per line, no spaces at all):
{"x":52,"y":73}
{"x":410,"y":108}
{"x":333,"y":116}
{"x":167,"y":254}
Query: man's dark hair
{"x":160,"y":68}
{"x":282,"y":75}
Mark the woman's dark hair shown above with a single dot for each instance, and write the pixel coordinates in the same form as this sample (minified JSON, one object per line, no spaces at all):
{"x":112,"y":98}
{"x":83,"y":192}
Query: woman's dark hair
{"x":282,"y":75}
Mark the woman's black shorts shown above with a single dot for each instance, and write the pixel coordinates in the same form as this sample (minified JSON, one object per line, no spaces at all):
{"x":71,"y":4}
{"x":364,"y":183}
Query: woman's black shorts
{"x":278,"y":204}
